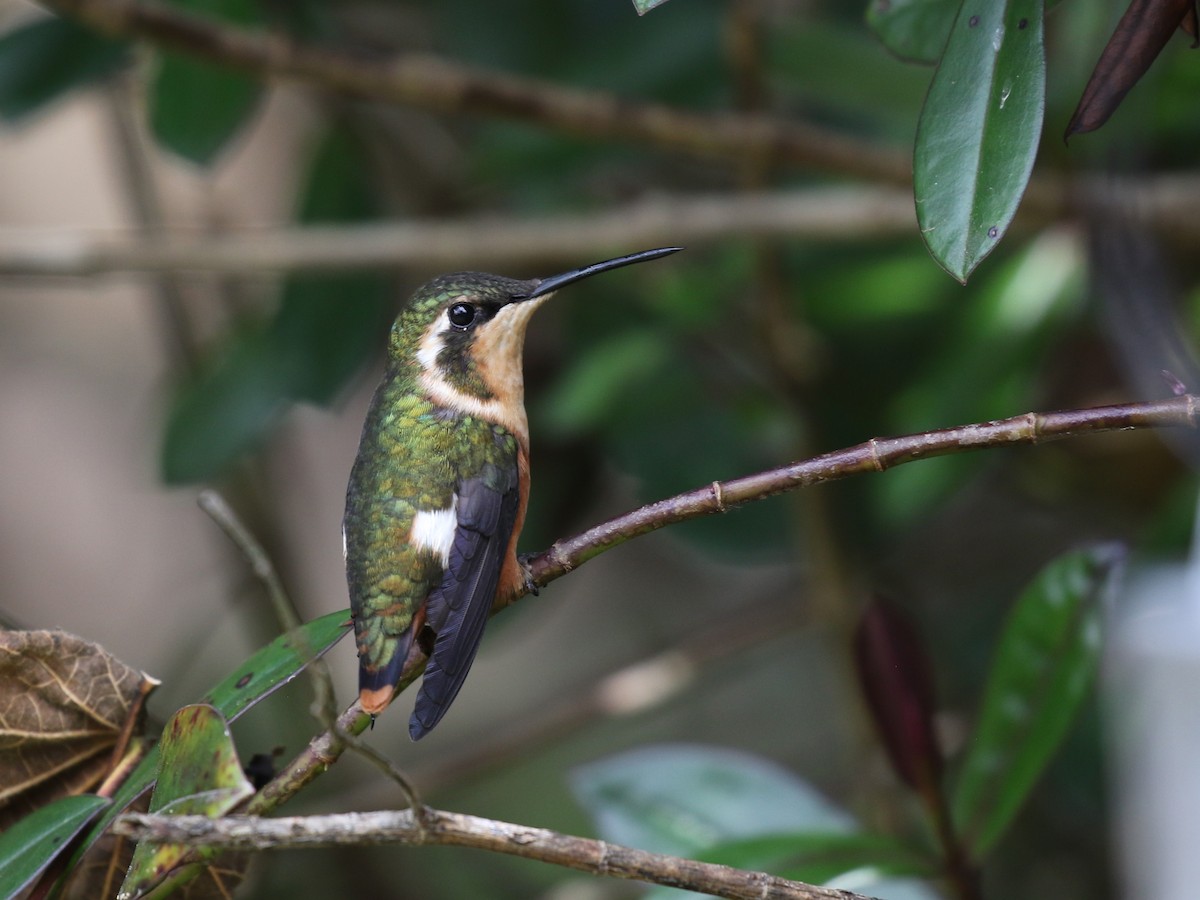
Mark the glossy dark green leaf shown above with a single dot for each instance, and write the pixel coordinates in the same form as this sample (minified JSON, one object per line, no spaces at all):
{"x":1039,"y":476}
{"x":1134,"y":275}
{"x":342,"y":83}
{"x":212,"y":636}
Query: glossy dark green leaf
{"x":195,"y":107}
{"x":644,"y":6}
{"x":258,"y":677}
{"x":1042,"y":670}
{"x":46,"y":59}
{"x":199,"y":773}
{"x":29,"y":846}
{"x":979,"y":130}
{"x":914,"y":30}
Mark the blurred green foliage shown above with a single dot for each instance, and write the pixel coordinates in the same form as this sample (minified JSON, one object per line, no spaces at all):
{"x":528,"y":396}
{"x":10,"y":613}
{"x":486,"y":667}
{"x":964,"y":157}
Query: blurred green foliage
{"x":739,"y":355}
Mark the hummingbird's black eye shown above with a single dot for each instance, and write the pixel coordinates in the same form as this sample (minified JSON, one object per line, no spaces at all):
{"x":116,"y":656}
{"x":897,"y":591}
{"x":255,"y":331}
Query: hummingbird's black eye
{"x":461,"y":315}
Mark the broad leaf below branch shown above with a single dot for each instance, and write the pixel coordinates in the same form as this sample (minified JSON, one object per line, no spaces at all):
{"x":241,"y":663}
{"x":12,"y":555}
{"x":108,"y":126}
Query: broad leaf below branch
{"x":1041,"y":673}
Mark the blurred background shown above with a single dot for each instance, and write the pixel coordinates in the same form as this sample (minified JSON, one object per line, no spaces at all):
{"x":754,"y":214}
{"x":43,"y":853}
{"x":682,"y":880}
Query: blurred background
{"x":127,"y":386}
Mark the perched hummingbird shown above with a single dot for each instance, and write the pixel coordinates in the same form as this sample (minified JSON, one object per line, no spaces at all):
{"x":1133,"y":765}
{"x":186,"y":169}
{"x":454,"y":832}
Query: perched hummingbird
{"x":438,"y":491}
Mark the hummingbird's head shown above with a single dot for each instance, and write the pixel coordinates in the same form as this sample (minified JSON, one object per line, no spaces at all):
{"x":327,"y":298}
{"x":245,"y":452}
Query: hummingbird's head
{"x":465,"y":335}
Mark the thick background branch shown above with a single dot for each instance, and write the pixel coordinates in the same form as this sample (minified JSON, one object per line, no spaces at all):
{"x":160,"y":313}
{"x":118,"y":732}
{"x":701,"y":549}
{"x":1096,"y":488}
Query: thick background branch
{"x":823,"y":214}
{"x":456,"y":829}
{"x":435,"y":84}
{"x":819,"y":214}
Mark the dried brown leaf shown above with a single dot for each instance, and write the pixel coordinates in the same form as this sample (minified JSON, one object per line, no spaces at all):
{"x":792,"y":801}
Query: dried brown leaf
{"x":65,"y":706}
{"x":1138,"y":39}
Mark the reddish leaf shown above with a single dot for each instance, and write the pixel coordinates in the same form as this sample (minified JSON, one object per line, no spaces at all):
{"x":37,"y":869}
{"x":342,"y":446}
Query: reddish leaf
{"x":1138,"y":39}
{"x":894,"y":674}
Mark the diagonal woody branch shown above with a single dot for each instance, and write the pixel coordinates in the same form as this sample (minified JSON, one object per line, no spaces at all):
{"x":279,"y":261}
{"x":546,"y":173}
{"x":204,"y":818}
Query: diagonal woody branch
{"x":875,"y":455}
{"x":439,"y":85}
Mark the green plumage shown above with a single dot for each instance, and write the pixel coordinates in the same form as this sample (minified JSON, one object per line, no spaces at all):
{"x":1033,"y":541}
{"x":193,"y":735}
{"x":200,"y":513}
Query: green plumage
{"x":438,"y":490}
{"x":411,"y":458}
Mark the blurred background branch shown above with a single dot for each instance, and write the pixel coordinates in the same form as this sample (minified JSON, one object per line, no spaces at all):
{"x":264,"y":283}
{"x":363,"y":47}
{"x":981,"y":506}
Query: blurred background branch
{"x":439,"y":85}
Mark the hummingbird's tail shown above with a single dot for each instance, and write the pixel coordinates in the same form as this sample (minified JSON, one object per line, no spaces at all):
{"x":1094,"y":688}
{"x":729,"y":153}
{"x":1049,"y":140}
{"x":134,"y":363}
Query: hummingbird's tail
{"x":377,"y":684}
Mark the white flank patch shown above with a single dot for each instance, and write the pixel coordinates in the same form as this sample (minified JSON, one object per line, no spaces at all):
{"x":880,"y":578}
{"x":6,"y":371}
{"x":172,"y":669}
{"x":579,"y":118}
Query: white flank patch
{"x":433,"y":530}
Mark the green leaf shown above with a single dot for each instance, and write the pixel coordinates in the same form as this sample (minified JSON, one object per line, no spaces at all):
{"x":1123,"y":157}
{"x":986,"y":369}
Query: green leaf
{"x":682,"y":799}
{"x":48,"y":58}
{"x":1041,"y":673}
{"x":979,"y":129}
{"x":195,"y":107}
{"x":199,"y":773}
{"x":644,"y":6}
{"x":258,"y":677}
{"x":327,"y":326}
{"x":276,"y":664}
{"x":600,"y":379}
{"x":914,"y":30}
{"x":322,"y":333}
{"x":817,"y":857}
{"x":726,"y":806}
{"x":1020,"y":309}
{"x":30,"y":845}
{"x":226,"y":409}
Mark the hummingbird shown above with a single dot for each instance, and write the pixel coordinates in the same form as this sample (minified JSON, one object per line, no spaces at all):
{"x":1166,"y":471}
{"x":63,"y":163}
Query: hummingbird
{"x":439,"y":487}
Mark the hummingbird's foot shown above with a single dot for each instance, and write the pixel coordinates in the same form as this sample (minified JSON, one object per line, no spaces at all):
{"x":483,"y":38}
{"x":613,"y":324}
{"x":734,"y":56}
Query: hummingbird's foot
{"x":524,"y":560}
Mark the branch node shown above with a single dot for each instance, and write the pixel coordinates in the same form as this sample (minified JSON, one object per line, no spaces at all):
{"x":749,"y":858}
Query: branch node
{"x":719,"y":496}
{"x":1036,"y":425}
{"x":877,"y":462}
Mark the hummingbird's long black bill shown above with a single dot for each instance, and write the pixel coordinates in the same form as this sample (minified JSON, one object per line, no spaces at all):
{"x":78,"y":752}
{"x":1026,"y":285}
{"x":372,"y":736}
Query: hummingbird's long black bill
{"x":554,"y":282}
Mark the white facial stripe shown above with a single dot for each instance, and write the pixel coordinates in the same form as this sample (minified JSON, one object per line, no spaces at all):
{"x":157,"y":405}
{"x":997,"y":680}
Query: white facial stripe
{"x":432,"y":344}
{"x":500,"y":410}
{"x":433,"y":530}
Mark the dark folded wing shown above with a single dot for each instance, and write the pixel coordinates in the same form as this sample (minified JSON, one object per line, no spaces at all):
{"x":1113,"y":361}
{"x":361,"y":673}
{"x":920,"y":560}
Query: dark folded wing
{"x":458,"y":608}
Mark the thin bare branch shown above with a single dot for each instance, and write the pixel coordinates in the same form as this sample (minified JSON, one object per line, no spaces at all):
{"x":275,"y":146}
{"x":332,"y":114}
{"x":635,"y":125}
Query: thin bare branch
{"x":827,"y":214}
{"x":875,"y":455}
{"x":459,"y":830}
{"x":324,"y":699}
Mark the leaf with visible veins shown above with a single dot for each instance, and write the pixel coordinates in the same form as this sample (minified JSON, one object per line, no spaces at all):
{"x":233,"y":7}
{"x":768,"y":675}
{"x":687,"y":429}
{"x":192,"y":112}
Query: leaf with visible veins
{"x":1136,"y":42}
{"x":65,"y":704}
